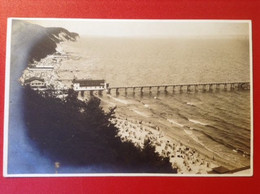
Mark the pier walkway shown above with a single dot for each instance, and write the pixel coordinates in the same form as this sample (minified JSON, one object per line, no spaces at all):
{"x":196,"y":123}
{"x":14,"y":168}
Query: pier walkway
{"x":182,"y":87}
{"x":193,"y":87}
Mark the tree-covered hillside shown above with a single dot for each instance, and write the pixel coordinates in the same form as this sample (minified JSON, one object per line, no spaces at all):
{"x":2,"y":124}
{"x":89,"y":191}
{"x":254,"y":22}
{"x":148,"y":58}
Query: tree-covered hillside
{"x":36,"y":42}
{"x":79,"y":133}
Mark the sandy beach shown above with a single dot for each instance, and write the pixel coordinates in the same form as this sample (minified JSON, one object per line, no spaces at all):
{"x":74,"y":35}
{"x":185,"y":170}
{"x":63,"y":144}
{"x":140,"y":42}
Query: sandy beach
{"x":185,"y":159}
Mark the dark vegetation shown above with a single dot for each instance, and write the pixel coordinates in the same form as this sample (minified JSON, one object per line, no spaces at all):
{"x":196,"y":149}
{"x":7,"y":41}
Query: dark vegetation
{"x":43,"y":47}
{"x":74,"y":132}
{"x":48,"y":42}
{"x":36,"y":42}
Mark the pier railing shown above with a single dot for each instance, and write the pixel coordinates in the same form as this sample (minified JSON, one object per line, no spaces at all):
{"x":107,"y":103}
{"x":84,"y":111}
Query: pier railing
{"x":182,"y":87}
{"x":192,"y":87}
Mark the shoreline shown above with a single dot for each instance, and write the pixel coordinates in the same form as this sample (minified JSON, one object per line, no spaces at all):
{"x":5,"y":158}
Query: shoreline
{"x":185,"y":159}
{"x":140,"y":128}
{"x":201,"y":161}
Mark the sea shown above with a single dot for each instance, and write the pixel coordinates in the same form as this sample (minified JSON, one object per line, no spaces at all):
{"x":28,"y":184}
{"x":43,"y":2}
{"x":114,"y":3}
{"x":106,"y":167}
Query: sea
{"x":216,"y":123}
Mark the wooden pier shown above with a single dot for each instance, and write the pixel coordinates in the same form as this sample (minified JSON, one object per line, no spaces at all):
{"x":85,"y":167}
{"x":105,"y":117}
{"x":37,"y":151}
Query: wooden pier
{"x":181,"y":87}
{"x":193,"y":87}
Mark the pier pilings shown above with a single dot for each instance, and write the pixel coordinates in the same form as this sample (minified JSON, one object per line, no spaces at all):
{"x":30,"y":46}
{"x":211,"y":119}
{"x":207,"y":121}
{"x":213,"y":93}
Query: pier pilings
{"x":193,"y":87}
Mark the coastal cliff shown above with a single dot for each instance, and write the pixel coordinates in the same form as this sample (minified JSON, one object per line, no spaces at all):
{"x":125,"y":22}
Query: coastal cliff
{"x":36,"y":42}
{"x":34,"y":45}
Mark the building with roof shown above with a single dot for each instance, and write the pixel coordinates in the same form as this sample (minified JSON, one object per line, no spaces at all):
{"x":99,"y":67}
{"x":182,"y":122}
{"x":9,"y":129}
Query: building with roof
{"x":35,"y":82}
{"x":89,"y":85}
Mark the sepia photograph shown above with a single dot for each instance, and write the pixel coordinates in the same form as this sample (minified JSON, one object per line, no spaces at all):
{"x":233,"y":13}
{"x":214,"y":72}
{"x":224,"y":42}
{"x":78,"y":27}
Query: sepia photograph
{"x":110,"y":97}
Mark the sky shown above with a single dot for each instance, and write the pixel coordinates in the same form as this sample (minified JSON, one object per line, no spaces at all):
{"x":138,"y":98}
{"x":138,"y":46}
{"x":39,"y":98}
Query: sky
{"x":150,"y":28}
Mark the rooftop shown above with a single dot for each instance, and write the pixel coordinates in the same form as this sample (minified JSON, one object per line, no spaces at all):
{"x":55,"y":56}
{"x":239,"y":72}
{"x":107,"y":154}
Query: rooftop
{"x":88,"y":82}
{"x":33,"y":79}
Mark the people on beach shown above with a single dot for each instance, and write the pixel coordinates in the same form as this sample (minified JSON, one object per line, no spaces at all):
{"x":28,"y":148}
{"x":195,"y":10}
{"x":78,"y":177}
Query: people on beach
{"x":185,"y":159}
